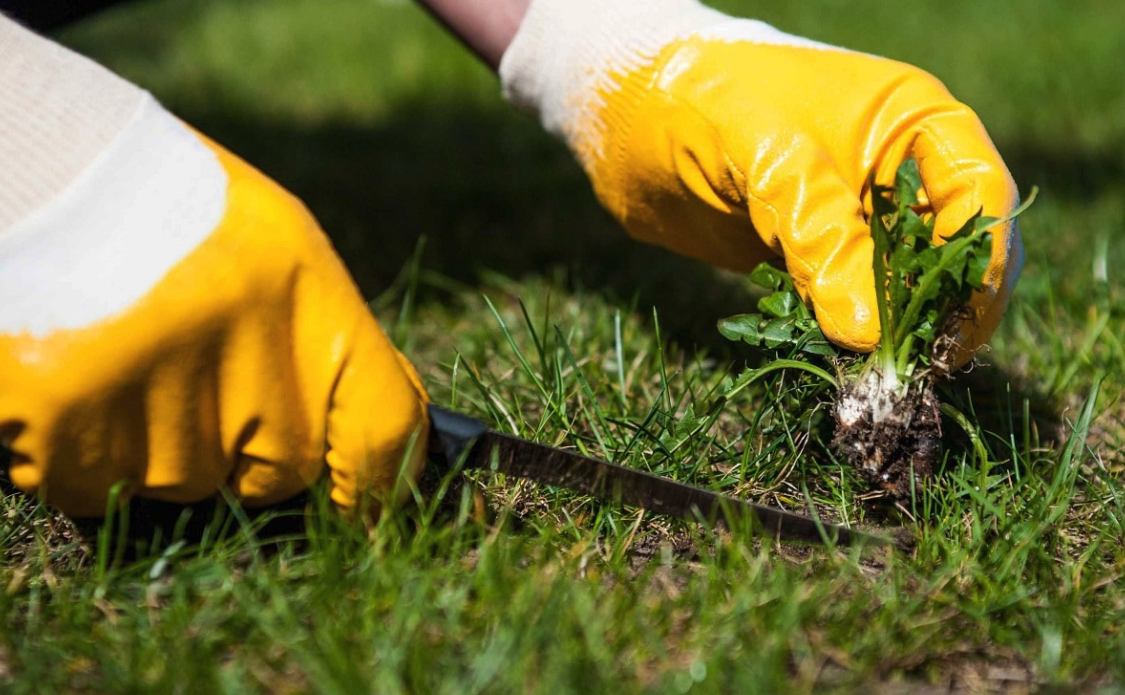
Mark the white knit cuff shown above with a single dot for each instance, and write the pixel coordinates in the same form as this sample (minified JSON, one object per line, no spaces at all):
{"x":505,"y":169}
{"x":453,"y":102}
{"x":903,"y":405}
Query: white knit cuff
{"x":58,"y":112}
{"x":565,"y":50}
{"x":567,"y":53}
{"x":146,"y":202}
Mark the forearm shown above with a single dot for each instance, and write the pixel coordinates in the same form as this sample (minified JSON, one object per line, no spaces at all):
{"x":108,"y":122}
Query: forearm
{"x":485,"y":26}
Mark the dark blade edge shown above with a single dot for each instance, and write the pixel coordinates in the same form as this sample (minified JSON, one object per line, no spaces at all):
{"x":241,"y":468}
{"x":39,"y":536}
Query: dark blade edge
{"x":544,"y":464}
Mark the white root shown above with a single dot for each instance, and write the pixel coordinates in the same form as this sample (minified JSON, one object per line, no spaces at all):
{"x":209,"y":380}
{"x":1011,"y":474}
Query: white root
{"x":878,"y":396}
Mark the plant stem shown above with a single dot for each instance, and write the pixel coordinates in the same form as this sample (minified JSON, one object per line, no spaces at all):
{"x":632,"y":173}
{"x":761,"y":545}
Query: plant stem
{"x":928,"y":284}
{"x":903,"y":362}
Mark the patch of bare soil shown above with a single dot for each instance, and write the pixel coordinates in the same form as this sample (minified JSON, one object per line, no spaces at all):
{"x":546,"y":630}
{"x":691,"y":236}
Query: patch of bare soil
{"x":30,"y":533}
{"x":972,"y":671}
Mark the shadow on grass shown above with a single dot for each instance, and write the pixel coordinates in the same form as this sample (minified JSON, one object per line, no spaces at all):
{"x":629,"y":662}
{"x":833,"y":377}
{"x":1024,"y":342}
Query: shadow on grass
{"x":490,"y":193}
{"x":1008,"y":408}
{"x":1067,"y":169}
{"x":145,"y":527}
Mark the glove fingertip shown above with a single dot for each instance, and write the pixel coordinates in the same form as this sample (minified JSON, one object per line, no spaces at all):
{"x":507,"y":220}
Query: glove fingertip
{"x":378,"y":427}
{"x":842,"y":294}
{"x":858,"y":331}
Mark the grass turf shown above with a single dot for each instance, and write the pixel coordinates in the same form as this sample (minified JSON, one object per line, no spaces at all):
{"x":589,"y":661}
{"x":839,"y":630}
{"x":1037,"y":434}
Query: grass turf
{"x":526,"y":305}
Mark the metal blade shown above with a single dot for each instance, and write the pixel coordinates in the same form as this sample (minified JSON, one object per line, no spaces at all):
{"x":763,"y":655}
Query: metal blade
{"x":463,"y":438}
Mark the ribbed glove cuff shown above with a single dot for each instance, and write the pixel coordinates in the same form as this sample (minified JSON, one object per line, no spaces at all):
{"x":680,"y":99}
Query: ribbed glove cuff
{"x":58,"y":112}
{"x":566,"y":52}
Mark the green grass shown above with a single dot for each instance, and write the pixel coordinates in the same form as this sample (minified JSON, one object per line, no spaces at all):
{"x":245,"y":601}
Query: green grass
{"x":527,"y":307}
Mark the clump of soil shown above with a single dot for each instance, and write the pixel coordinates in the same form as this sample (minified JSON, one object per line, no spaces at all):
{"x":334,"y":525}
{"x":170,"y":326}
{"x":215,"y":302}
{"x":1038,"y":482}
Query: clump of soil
{"x":891,"y":435}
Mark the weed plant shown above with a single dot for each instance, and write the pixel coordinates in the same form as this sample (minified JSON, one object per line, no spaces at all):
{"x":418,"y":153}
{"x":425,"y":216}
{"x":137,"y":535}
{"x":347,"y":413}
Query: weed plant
{"x":887,"y":421}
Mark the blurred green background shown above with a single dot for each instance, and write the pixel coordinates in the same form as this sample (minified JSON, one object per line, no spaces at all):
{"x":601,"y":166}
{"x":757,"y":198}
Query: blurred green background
{"x":390,"y":131}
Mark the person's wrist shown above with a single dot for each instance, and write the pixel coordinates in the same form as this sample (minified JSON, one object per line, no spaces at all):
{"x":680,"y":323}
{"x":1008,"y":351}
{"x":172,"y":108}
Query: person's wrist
{"x":486,"y":27}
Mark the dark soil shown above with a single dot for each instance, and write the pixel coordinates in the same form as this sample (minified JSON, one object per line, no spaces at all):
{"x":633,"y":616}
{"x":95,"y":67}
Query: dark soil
{"x":897,"y":452}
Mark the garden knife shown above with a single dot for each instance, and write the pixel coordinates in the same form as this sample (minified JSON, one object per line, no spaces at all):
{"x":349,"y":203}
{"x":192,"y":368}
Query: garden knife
{"x":458,"y":439}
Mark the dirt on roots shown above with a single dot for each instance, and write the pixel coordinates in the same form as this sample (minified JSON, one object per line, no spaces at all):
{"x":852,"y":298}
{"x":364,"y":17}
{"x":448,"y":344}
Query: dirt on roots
{"x":893,"y":444}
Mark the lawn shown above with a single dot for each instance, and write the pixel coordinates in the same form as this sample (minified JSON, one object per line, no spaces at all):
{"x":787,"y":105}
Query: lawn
{"x":490,"y":263}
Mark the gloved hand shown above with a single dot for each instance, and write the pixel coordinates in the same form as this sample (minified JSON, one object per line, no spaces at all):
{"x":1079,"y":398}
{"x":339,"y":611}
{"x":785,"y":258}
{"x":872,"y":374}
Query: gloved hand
{"x":175,"y":320}
{"x":732,"y":142}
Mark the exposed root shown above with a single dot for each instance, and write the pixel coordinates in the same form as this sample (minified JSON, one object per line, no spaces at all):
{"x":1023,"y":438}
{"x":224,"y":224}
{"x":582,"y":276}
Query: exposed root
{"x":891,"y":436}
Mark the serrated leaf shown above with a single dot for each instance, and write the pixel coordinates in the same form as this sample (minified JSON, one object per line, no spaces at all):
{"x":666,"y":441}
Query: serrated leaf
{"x":952,"y":269}
{"x":687,"y":423}
{"x":822,"y":349}
{"x":779,"y":304}
{"x":742,"y":327}
{"x":777,"y":332}
{"x":815,"y":343}
{"x":978,"y":262}
{"x":908,"y":181}
{"x":926,"y":329}
{"x":913,"y":226}
{"x":905,"y":259}
{"x":765,"y":275}
{"x":982,"y":223}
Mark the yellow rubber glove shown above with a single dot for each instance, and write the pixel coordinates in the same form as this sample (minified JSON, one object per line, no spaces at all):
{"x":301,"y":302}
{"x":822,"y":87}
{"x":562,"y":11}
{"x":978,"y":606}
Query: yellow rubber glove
{"x":177,"y":321}
{"x":732,"y":142}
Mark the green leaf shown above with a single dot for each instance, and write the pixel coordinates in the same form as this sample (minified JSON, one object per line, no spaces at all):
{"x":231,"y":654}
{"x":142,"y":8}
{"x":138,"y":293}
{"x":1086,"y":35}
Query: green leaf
{"x":914,"y":227}
{"x":814,"y":342}
{"x":687,"y":423}
{"x":779,"y":304}
{"x":823,"y":349}
{"x":904,"y":259}
{"x":980,"y":223}
{"x":778,"y":332}
{"x":993,"y":221}
{"x":978,"y":262}
{"x":950,"y":272}
{"x":881,"y":236}
{"x":908,"y":181}
{"x":927,"y":260}
{"x":742,"y":327}
{"x":769,"y":277}
{"x":926,"y":328}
